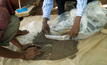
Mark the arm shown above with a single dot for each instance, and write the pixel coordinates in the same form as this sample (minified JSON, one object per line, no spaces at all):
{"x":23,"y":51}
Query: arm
{"x":81,"y":4}
{"x":47,"y":7}
{"x":4,"y":52}
{"x":10,"y":54}
{"x":15,"y":42}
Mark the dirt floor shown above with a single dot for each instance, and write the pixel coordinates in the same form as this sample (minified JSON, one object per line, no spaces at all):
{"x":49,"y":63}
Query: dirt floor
{"x":38,"y":9}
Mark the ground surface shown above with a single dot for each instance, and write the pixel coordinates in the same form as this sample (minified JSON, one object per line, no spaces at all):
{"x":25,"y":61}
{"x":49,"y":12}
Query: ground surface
{"x":38,"y":9}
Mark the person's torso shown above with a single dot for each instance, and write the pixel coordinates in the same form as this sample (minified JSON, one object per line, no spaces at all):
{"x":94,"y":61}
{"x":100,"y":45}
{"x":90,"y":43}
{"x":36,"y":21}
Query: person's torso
{"x":4,"y":17}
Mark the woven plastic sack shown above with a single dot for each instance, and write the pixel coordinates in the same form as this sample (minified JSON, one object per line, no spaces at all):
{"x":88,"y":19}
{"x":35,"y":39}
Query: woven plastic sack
{"x":92,"y":21}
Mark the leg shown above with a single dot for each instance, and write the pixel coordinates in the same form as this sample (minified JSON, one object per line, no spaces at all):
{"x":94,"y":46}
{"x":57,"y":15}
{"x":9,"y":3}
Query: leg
{"x":61,"y":4}
{"x":90,"y":1}
{"x":28,"y":54}
{"x":11,"y":30}
{"x":15,"y":42}
{"x":8,"y":35}
{"x":23,"y":32}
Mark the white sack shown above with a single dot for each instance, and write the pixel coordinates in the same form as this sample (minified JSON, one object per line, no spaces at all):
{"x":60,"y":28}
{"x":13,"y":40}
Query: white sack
{"x":92,"y":21}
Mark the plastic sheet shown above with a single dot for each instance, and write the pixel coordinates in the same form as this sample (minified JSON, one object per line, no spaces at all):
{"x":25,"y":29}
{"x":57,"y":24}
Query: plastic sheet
{"x":92,"y":21}
{"x":91,"y":51}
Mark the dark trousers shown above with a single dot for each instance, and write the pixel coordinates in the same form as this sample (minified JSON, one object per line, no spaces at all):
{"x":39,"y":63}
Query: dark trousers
{"x":61,"y":4}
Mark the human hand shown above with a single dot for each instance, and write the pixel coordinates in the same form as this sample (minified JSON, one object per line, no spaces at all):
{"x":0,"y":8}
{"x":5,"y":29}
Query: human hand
{"x":75,"y":28}
{"x":31,"y":52}
{"x":45,"y":27}
{"x":25,"y":47}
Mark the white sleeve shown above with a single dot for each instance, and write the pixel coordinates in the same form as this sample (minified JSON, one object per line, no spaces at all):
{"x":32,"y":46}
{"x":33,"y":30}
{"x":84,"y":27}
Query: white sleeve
{"x":81,"y":5}
{"x":46,"y":8}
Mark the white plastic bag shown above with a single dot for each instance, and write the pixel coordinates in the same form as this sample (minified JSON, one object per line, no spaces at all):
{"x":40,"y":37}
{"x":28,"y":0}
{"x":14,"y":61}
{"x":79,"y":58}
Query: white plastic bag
{"x":92,"y":21}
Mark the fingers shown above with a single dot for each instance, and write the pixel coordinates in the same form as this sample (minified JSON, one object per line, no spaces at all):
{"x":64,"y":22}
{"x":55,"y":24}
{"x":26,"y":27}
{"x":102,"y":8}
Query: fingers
{"x":44,"y":31}
{"x":33,"y":49}
{"x":38,"y":54}
{"x":30,"y":45}
{"x":42,"y":51}
{"x":38,"y":46}
{"x":34,"y":45}
{"x":37,"y":50}
{"x":49,"y":31}
{"x":72,"y":35}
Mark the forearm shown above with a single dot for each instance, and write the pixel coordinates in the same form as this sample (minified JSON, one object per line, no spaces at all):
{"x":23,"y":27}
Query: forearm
{"x":77,"y":19}
{"x":75,"y":28}
{"x":10,"y":54}
{"x":45,"y":20}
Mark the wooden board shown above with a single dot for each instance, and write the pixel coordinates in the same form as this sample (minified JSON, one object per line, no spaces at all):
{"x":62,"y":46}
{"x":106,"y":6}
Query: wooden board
{"x":103,"y":1}
{"x":26,"y":13}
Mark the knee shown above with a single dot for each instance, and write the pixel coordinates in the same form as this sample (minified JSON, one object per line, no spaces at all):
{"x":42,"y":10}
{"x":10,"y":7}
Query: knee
{"x":15,"y":20}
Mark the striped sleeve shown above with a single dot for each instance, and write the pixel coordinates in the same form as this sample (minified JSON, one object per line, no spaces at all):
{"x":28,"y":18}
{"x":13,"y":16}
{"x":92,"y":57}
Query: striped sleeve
{"x":46,"y":8}
{"x":81,"y":5}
